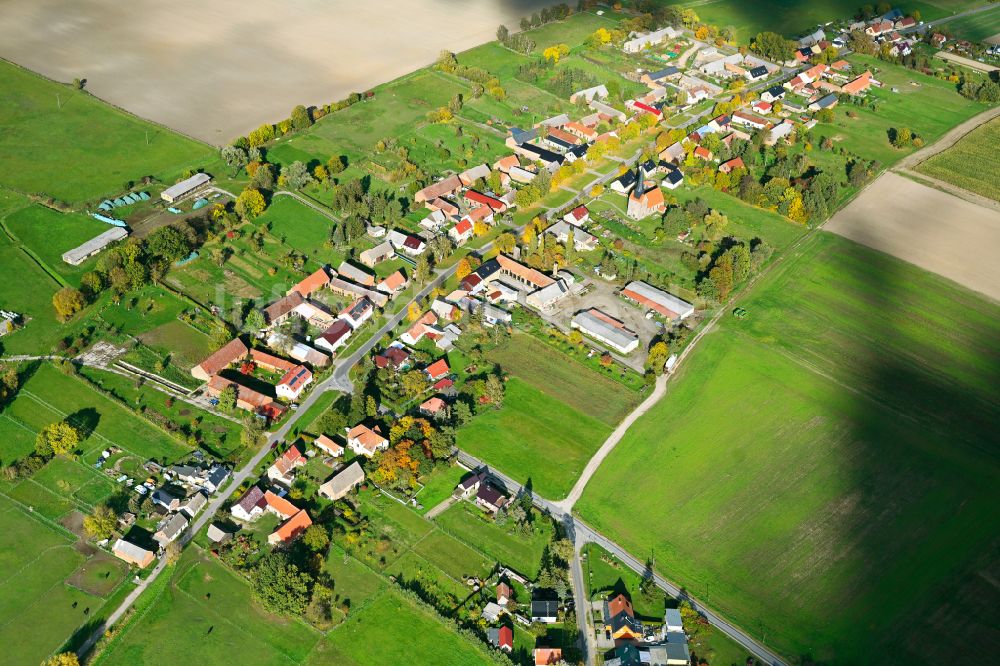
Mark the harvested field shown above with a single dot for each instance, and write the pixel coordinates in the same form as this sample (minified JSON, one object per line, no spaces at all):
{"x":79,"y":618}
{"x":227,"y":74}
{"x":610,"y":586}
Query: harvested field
{"x":967,"y":62}
{"x":926,"y":227}
{"x":219,"y":69}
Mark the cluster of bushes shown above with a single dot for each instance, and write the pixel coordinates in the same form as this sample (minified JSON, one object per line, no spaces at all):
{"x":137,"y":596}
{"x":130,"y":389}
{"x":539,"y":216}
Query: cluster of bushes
{"x":481,"y":79}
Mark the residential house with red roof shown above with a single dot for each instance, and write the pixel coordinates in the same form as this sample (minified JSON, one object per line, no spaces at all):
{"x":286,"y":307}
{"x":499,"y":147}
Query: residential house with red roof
{"x":437,"y":370}
{"x":433,"y":406}
{"x":358,"y":312}
{"x":314,"y":282}
{"x":548,"y":656}
{"x":283,"y":469}
{"x":291,"y":528}
{"x":329,"y":446}
{"x":858,"y":85}
{"x":579,"y":216}
{"x":461,"y":232}
{"x":334,"y":337}
{"x":477,"y":199}
{"x":294,"y":383}
{"x":393,"y":284}
{"x":729,"y":165}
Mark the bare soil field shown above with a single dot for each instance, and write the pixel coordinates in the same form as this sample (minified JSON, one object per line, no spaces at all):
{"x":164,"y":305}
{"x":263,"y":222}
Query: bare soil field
{"x":968,"y":62}
{"x":926,"y":227}
{"x":215,"y":70}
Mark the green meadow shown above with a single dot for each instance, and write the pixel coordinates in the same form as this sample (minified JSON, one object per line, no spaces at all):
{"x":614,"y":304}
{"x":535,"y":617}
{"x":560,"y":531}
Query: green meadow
{"x":822,"y":471}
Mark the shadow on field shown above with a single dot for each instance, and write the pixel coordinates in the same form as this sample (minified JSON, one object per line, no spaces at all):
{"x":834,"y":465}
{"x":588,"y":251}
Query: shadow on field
{"x":922,"y":474}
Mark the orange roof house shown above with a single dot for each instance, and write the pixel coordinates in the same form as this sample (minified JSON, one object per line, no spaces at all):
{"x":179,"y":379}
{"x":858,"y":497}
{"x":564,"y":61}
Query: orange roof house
{"x":271,"y":362}
{"x":314,"y":282}
{"x":548,"y":656}
{"x":735,"y":163}
{"x":230,"y":353}
{"x":279,"y":506}
{"x":291,"y":528}
{"x":858,"y":85}
{"x":326,"y":444}
{"x":432,"y":406}
{"x":437,"y":369}
{"x":393,"y":284}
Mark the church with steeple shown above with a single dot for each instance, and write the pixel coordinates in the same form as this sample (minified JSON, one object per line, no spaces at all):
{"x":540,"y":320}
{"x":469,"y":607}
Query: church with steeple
{"x":645,"y":199}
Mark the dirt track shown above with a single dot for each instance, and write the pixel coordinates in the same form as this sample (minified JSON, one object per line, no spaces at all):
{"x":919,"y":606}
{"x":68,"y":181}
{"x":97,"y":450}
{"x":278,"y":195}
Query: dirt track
{"x":217,"y":69}
{"x":926,"y":227}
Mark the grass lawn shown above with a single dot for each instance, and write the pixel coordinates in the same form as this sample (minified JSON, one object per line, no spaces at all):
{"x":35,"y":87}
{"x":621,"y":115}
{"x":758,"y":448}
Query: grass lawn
{"x":206,"y":615}
{"x":48,"y":233}
{"x":573,"y":31}
{"x":977,"y":27}
{"x":394,"y":630}
{"x":967,"y":164}
{"x":535,"y":437}
{"x":521,"y":553}
{"x":302,"y":228}
{"x":50,"y":396}
{"x":99,"y":148}
{"x":930,"y":108}
{"x":38,"y":609}
{"x":842,"y":511}
{"x":562,"y":378}
{"x":439,"y":485}
{"x":355,"y":584}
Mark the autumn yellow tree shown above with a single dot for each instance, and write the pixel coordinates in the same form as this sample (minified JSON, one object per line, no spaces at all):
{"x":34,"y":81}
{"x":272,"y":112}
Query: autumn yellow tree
{"x":413,"y":311}
{"x":463,"y":269}
{"x":556,"y":52}
{"x":250,"y":204}
{"x":102,"y":523}
{"x":62,"y":659}
{"x":67,"y":302}
{"x":505,"y":242}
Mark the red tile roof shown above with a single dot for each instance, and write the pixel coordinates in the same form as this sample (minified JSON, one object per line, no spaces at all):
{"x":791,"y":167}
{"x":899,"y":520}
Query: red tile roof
{"x":317,"y":280}
{"x":464,"y":226}
{"x":437,"y":369}
{"x":230,"y":353}
{"x":294,"y":526}
{"x":485,"y":200}
{"x":280,"y":505}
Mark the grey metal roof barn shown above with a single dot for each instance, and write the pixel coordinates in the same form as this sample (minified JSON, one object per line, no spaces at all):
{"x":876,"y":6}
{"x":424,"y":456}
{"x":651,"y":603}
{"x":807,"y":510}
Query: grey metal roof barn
{"x":342,"y":483}
{"x":178,"y":190}
{"x":620,"y":339}
{"x":78,"y":255}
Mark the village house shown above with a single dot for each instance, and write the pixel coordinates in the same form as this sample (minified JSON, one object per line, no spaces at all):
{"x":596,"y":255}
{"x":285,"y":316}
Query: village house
{"x":579,"y":216}
{"x":544,"y":611}
{"x":642,"y":40}
{"x":858,"y":85}
{"x":283,"y":469}
{"x":374,"y":256}
{"x":327,"y":445}
{"x":461,"y":232}
{"x":582,"y":241}
{"x":193,"y":504}
{"x":547,"y":656}
{"x":351,"y":272}
{"x":365,"y":441}
{"x":250,"y":507}
{"x":343,"y":482}
{"x":278,"y":312}
{"x":620,"y":621}
{"x":489,"y":498}
{"x":395,"y":356}
{"x":169,"y":529}
{"x":504,"y":593}
{"x":230,"y":353}
{"x":358,"y":312}
{"x":184,"y":187}
{"x":335,"y":337}
{"x":589,"y":94}
{"x":318,"y":280}
{"x":433,"y":406}
{"x":133,"y":554}
{"x":296,"y":520}
{"x":729,"y":165}
{"x":469,"y":485}
{"x":491,"y":611}
{"x":441,"y":188}
{"x":293,"y":383}
{"x":394,"y":284}
{"x":501,"y":637}
{"x":269,"y":362}
{"x":437,"y":370}
{"x":315,"y":314}
{"x":246,"y":398}
{"x":164,"y":498}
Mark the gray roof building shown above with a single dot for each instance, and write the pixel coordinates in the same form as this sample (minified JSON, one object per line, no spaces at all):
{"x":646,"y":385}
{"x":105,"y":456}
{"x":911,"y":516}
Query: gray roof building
{"x":343,"y":483}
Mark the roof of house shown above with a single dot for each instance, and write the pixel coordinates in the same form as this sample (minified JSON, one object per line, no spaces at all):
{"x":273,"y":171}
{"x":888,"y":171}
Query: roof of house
{"x":196,"y":503}
{"x":282,"y":306}
{"x":368,"y":438}
{"x":758,"y":72}
{"x":490,"y":495}
{"x":130,"y":550}
{"x":619,"y":604}
{"x":394,"y":356}
{"x":394,"y":282}
{"x":263,"y":358}
{"x":280,"y":504}
{"x":432,"y":405}
{"x":735,"y":163}
{"x":171,"y":527}
{"x":858,"y":84}
{"x":543,"y":154}
{"x":544,"y":608}
{"x":547,"y":656}
{"x":358,"y":308}
{"x":473,"y":174}
{"x":245,"y":394}
{"x":594,"y":321}
{"x":647,"y":108}
{"x":579,"y":213}
{"x":530,"y":275}
{"x":472,"y":479}
{"x":443,"y":384}
{"x":464,"y":226}
{"x":486,"y":200}
{"x":438,"y":189}
{"x":337,"y":330}
{"x":505,"y":163}
{"x":506,"y":637}
{"x":253,"y":497}
{"x":233,"y":351}
{"x":438,"y":368}
{"x":344,"y":480}
{"x":296,"y":378}
{"x":355,"y":274}
{"x":294,"y":526}
{"x":317,"y":280}
{"x":665,"y":303}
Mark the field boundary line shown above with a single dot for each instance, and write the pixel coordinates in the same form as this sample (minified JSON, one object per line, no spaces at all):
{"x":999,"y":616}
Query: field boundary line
{"x":45,"y":520}
{"x":28,"y":564}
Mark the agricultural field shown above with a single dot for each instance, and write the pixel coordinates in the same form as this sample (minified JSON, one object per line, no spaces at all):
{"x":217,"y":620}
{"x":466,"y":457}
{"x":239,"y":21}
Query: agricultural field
{"x":302,"y":228}
{"x":49,"y":233}
{"x":50,"y":584}
{"x":927,"y":105}
{"x":841,"y":473}
{"x":535,"y":437}
{"x":977,"y":27}
{"x":205,"y":614}
{"x":969,"y":163}
{"x":99,"y":147}
{"x":562,"y":378}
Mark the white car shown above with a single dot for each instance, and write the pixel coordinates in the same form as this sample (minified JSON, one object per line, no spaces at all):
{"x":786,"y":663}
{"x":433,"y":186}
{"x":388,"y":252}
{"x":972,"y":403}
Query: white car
{"x":121,"y":478}
{"x":141,"y":490}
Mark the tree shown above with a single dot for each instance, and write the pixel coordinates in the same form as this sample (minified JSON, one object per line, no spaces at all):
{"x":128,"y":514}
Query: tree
{"x":62,"y":659}
{"x":9,"y":382}
{"x":67,"y":302}
{"x":422,"y":271}
{"x":296,"y":175}
{"x":57,"y":438}
{"x":280,"y":585}
{"x":772,"y":46}
{"x":336,"y":164}
{"x":493,"y":391}
{"x":253,"y":428}
{"x":254,"y":321}
{"x":261,"y":135}
{"x":316,"y":538}
{"x":235,"y":158}
{"x":262,"y":178}
{"x":413,"y":311}
{"x":101,"y":524}
{"x":554,"y":53}
{"x":227,"y":398}
{"x":170,"y":242}
{"x":502,"y":33}
{"x":371,"y":407}
{"x":505,"y":242}
{"x":463,"y":269}
{"x":301,"y":118}
{"x":250,"y":204}
{"x":657,"y":358}
{"x":173,"y":552}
